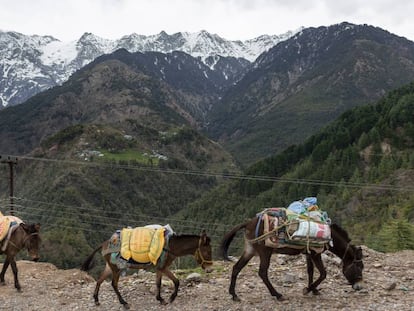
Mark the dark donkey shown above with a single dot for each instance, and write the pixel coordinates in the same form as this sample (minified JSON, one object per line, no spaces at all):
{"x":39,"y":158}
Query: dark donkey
{"x":351,"y":258}
{"x":178,"y":245}
{"x":22,"y":236}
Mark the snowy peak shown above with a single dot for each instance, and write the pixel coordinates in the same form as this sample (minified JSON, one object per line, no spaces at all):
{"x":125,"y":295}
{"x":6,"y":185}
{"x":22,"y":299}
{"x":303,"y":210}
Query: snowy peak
{"x":202,"y":44}
{"x":31,"y":64}
{"x":99,"y":44}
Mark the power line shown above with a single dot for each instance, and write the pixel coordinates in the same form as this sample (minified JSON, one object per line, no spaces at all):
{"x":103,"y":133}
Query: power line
{"x":98,"y":227}
{"x":97,"y":219}
{"x":100,"y":210}
{"x":235,"y":176}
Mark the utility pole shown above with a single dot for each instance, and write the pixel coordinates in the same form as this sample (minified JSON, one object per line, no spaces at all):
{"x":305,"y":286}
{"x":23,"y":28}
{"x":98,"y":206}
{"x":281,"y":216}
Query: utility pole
{"x":11,"y":161}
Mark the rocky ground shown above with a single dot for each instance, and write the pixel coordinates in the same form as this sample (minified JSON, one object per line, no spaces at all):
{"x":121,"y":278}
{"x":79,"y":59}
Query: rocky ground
{"x":388,"y":278}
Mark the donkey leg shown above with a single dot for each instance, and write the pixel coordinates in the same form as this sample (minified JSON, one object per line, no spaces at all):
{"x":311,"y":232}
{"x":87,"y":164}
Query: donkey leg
{"x":263,"y":272}
{"x":176,"y":282}
{"x":3,"y":271}
{"x":158,"y":282}
{"x":238,"y":266}
{"x":310,"y":269}
{"x":107,"y":272}
{"x":317,"y":261}
{"x":115,"y":279}
{"x":14,"y":268}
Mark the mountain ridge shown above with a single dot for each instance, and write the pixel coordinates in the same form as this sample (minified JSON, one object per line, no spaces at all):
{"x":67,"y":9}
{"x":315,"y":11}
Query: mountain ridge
{"x":306,"y":81}
{"x":31,"y":64}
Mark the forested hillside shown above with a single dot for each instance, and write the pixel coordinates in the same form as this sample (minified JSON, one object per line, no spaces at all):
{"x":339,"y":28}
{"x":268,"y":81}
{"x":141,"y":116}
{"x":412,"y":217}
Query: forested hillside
{"x":360,"y":167}
{"x":303,"y":83}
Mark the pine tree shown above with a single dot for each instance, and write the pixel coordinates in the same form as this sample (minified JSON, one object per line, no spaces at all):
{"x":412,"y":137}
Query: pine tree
{"x":396,"y":235}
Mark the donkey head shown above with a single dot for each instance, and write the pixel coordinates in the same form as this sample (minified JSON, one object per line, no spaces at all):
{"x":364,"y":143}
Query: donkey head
{"x":32,"y":240}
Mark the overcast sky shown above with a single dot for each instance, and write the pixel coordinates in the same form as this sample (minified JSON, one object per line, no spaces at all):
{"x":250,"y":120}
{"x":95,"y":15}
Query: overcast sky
{"x":231,"y":19}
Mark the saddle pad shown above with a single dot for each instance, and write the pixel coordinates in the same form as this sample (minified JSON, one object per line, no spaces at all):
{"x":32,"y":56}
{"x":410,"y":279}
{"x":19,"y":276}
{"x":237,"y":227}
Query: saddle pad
{"x":4,"y":226}
{"x":114,"y":244}
{"x":270,"y":223}
{"x":14,"y":222}
{"x":142,"y":244}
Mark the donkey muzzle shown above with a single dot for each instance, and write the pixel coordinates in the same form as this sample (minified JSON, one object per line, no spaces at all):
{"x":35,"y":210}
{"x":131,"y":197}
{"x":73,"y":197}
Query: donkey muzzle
{"x":35,"y":257}
{"x":357,"y":286}
{"x":208,"y":269}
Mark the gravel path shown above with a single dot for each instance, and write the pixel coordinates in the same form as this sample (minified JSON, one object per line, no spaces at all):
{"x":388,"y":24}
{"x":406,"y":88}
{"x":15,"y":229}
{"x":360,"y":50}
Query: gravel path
{"x":388,"y":278}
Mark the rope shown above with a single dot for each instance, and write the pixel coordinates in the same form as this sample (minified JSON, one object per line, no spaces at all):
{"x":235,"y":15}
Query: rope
{"x":272,"y":232}
{"x":266,"y":235}
{"x":308,"y":237}
{"x":200,"y":255}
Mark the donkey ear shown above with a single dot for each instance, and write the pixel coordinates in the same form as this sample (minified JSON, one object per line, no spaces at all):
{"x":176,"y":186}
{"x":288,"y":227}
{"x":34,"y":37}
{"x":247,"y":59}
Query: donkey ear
{"x":25,"y":227}
{"x":203,"y":237}
{"x":37,"y":227}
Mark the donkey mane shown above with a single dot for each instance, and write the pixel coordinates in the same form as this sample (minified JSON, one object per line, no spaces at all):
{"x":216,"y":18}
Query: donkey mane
{"x":188,"y":236}
{"x":341,"y":232}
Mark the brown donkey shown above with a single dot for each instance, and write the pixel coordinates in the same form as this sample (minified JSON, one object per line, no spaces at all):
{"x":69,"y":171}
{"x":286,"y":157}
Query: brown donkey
{"x":351,"y":258}
{"x":21,"y":236}
{"x":178,"y":245}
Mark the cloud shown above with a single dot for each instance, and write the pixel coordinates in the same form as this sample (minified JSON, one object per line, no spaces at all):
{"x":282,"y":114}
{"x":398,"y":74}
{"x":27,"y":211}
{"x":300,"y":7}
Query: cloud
{"x":231,"y":19}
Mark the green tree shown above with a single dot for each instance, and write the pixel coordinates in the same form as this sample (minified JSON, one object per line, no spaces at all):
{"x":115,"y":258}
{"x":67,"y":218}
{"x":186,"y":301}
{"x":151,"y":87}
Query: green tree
{"x":396,"y":235}
{"x":363,"y":141}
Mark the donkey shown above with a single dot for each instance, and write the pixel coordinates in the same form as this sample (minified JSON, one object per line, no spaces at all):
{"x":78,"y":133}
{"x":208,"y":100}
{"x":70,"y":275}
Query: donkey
{"x":22,"y":236}
{"x":179,"y":245}
{"x":350,"y":254}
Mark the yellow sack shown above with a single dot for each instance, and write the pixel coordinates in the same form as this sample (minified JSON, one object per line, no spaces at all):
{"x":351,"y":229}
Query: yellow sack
{"x":4,"y":226}
{"x":142,"y":244}
{"x":125,"y":237}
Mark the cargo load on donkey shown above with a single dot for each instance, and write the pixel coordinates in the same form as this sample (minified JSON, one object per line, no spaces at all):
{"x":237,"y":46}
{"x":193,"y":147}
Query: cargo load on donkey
{"x":301,"y":224}
{"x":302,"y":228}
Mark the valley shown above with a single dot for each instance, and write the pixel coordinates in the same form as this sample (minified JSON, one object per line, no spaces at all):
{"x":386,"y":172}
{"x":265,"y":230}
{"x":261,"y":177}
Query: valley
{"x":134,"y":137}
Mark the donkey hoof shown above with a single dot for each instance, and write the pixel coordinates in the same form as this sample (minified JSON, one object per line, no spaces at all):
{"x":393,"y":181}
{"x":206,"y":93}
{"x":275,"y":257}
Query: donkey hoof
{"x":281,"y":298}
{"x":126,"y":306}
{"x":306,"y":291}
{"x":316,"y":292}
{"x":236,"y":298}
{"x":97,"y":303}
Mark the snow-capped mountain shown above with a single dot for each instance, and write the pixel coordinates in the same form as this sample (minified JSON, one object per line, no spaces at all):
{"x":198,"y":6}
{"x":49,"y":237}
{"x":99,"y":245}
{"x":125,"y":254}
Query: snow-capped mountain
{"x":31,"y":64}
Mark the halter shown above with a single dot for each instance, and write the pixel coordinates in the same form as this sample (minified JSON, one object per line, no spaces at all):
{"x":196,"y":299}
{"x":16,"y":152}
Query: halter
{"x":353,"y":260}
{"x":346,"y":250}
{"x":198,"y":255}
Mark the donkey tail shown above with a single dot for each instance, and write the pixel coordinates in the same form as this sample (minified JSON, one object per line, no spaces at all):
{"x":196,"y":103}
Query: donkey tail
{"x":88,"y":263}
{"x":228,"y":238}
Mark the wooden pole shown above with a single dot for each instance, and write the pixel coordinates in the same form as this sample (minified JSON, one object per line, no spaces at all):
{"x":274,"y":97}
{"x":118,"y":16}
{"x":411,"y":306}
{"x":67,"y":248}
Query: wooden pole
{"x":11,"y":161}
